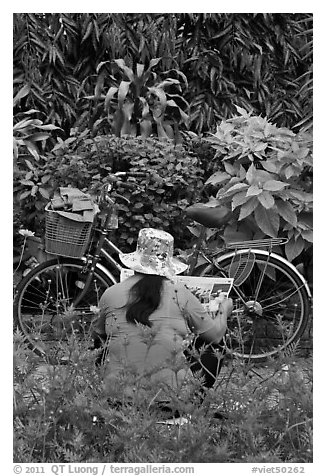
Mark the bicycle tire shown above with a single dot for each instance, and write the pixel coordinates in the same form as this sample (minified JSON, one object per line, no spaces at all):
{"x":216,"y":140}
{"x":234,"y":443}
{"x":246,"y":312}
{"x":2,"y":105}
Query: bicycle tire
{"x":277,"y":319}
{"x":43,"y":309}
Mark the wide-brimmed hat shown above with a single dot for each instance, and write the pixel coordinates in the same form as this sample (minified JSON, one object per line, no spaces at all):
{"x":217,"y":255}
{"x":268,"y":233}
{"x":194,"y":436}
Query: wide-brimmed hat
{"x":154,"y":254}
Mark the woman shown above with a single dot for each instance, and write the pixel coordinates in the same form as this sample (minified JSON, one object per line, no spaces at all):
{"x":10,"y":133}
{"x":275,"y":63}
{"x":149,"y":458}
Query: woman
{"x":147,"y":317}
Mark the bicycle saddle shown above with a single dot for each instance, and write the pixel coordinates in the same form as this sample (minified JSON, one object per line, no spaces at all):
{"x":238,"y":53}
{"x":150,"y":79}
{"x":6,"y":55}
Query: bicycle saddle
{"x":211,"y":217}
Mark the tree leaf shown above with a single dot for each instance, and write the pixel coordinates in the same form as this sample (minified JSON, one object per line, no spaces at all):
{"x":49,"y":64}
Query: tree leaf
{"x":153,"y":62}
{"x":293,"y":248}
{"x":34,"y":190}
{"x":29,"y":164}
{"x":266,"y":199}
{"x":88,"y":31}
{"x":140,"y":69}
{"x":32,"y":149}
{"x":47,"y":127}
{"x":109,"y":95}
{"x":248,"y":208}
{"x":99,"y":66}
{"x":253,"y":190}
{"x":250,"y":174}
{"x":38,"y":136}
{"x":260,"y":146}
{"x":218,"y":177}
{"x":289,"y":172}
{"x":307,"y":235}
{"x":128,"y":72}
{"x":21,"y":93}
{"x":183,"y":115}
{"x":241,"y":111}
{"x":270,"y":166}
{"x":235,"y":188}
{"x":242,"y":172}
{"x":274,"y":185}
{"x":24,"y":195}
{"x":46,"y":178}
{"x":239,"y":199}
{"x":160,"y":93}
{"x":27,"y":182}
{"x":23,"y":124}
{"x":229,"y":168}
{"x":267,"y":220}
{"x":44,"y":192}
{"x":122,"y":92}
{"x":301,"y":195}
{"x":306,"y":219}
{"x":287,"y":212}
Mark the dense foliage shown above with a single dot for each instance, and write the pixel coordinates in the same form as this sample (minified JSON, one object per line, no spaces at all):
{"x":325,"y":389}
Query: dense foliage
{"x":260,"y":60}
{"x":159,"y":92}
{"x":79,"y":77}
{"x":264,"y":176}
{"x":173,"y":182}
{"x":61,"y":414}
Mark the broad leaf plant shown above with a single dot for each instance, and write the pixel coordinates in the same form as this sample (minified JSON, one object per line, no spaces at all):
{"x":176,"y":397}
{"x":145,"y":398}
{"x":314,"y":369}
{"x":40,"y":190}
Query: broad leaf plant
{"x":263,"y":176}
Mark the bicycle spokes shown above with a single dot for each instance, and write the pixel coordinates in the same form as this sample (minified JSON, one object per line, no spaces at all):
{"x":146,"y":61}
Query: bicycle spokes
{"x":47,"y":314}
{"x":271,"y":303}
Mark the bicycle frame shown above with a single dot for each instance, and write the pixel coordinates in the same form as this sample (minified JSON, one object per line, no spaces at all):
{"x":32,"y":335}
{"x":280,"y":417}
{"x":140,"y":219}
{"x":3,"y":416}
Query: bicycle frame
{"x":100,"y":251}
{"x":240,"y":248}
{"x":104,"y":244}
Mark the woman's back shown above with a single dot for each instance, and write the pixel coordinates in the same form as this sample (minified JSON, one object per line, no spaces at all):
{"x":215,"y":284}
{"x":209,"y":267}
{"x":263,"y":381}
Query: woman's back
{"x":138,"y":345}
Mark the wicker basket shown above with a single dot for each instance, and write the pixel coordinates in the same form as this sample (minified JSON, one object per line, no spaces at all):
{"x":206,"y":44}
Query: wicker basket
{"x":65,"y":237}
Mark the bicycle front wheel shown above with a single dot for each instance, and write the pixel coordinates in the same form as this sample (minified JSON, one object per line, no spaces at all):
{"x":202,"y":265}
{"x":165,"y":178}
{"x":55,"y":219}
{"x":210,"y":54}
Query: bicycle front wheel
{"x":44,"y":310}
{"x":271,"y":305}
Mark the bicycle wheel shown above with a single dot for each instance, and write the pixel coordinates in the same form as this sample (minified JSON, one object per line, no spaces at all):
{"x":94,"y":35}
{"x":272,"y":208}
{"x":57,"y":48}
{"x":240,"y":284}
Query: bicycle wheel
{"x":271,"y":304}
{"x":43,"y":305}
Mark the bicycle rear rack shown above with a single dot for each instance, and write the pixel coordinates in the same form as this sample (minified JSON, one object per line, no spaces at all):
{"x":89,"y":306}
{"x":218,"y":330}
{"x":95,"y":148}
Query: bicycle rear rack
{"x":266,"y":243}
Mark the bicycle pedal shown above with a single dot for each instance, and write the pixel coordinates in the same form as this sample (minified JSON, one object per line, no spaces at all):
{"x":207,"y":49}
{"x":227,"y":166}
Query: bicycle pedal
{"x":240,"y":268}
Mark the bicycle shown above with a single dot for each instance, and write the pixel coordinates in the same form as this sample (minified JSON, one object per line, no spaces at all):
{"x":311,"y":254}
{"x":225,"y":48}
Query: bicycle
{"x":271,"y":298}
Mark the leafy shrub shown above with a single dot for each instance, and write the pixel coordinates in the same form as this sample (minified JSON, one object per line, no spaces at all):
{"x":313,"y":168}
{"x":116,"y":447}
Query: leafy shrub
{"x":263,"y":174}
{"x":61,"y":414}
{"x":30,"y":136}
{"x":173,"y":181}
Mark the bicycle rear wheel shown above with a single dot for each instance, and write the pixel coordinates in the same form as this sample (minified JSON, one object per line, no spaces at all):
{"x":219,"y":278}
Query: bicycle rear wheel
{"x":43,"y":305}
{"x":271,"y":304}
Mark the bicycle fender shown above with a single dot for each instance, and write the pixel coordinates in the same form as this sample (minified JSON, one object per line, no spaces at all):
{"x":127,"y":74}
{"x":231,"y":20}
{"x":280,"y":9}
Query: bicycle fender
{"x":274,"y":256}
{"x":106,"y":272}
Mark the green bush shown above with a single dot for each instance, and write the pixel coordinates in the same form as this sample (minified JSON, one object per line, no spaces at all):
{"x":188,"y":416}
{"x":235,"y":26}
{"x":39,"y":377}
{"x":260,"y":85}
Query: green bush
{"x":61,"y":414}
{"x":263,"y":174}
{"x":174,"y":180}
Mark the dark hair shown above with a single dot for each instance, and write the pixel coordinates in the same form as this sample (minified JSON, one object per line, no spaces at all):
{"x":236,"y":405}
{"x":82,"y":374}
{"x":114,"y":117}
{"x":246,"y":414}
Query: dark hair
{"x":145,"y":297}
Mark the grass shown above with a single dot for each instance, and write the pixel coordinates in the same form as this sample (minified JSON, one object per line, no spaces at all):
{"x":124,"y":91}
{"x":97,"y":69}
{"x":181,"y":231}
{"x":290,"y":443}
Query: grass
{"x":61,"y":414}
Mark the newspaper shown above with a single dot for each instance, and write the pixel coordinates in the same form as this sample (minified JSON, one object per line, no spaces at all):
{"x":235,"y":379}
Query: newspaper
{"x":206,"y":288}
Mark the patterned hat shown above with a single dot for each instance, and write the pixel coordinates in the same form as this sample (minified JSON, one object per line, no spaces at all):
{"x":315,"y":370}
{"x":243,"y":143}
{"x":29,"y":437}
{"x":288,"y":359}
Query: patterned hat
{"x":154,"y":254}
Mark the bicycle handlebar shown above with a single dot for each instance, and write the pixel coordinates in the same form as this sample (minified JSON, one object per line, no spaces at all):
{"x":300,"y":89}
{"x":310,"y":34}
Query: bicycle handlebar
{"x":114,"y":179}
